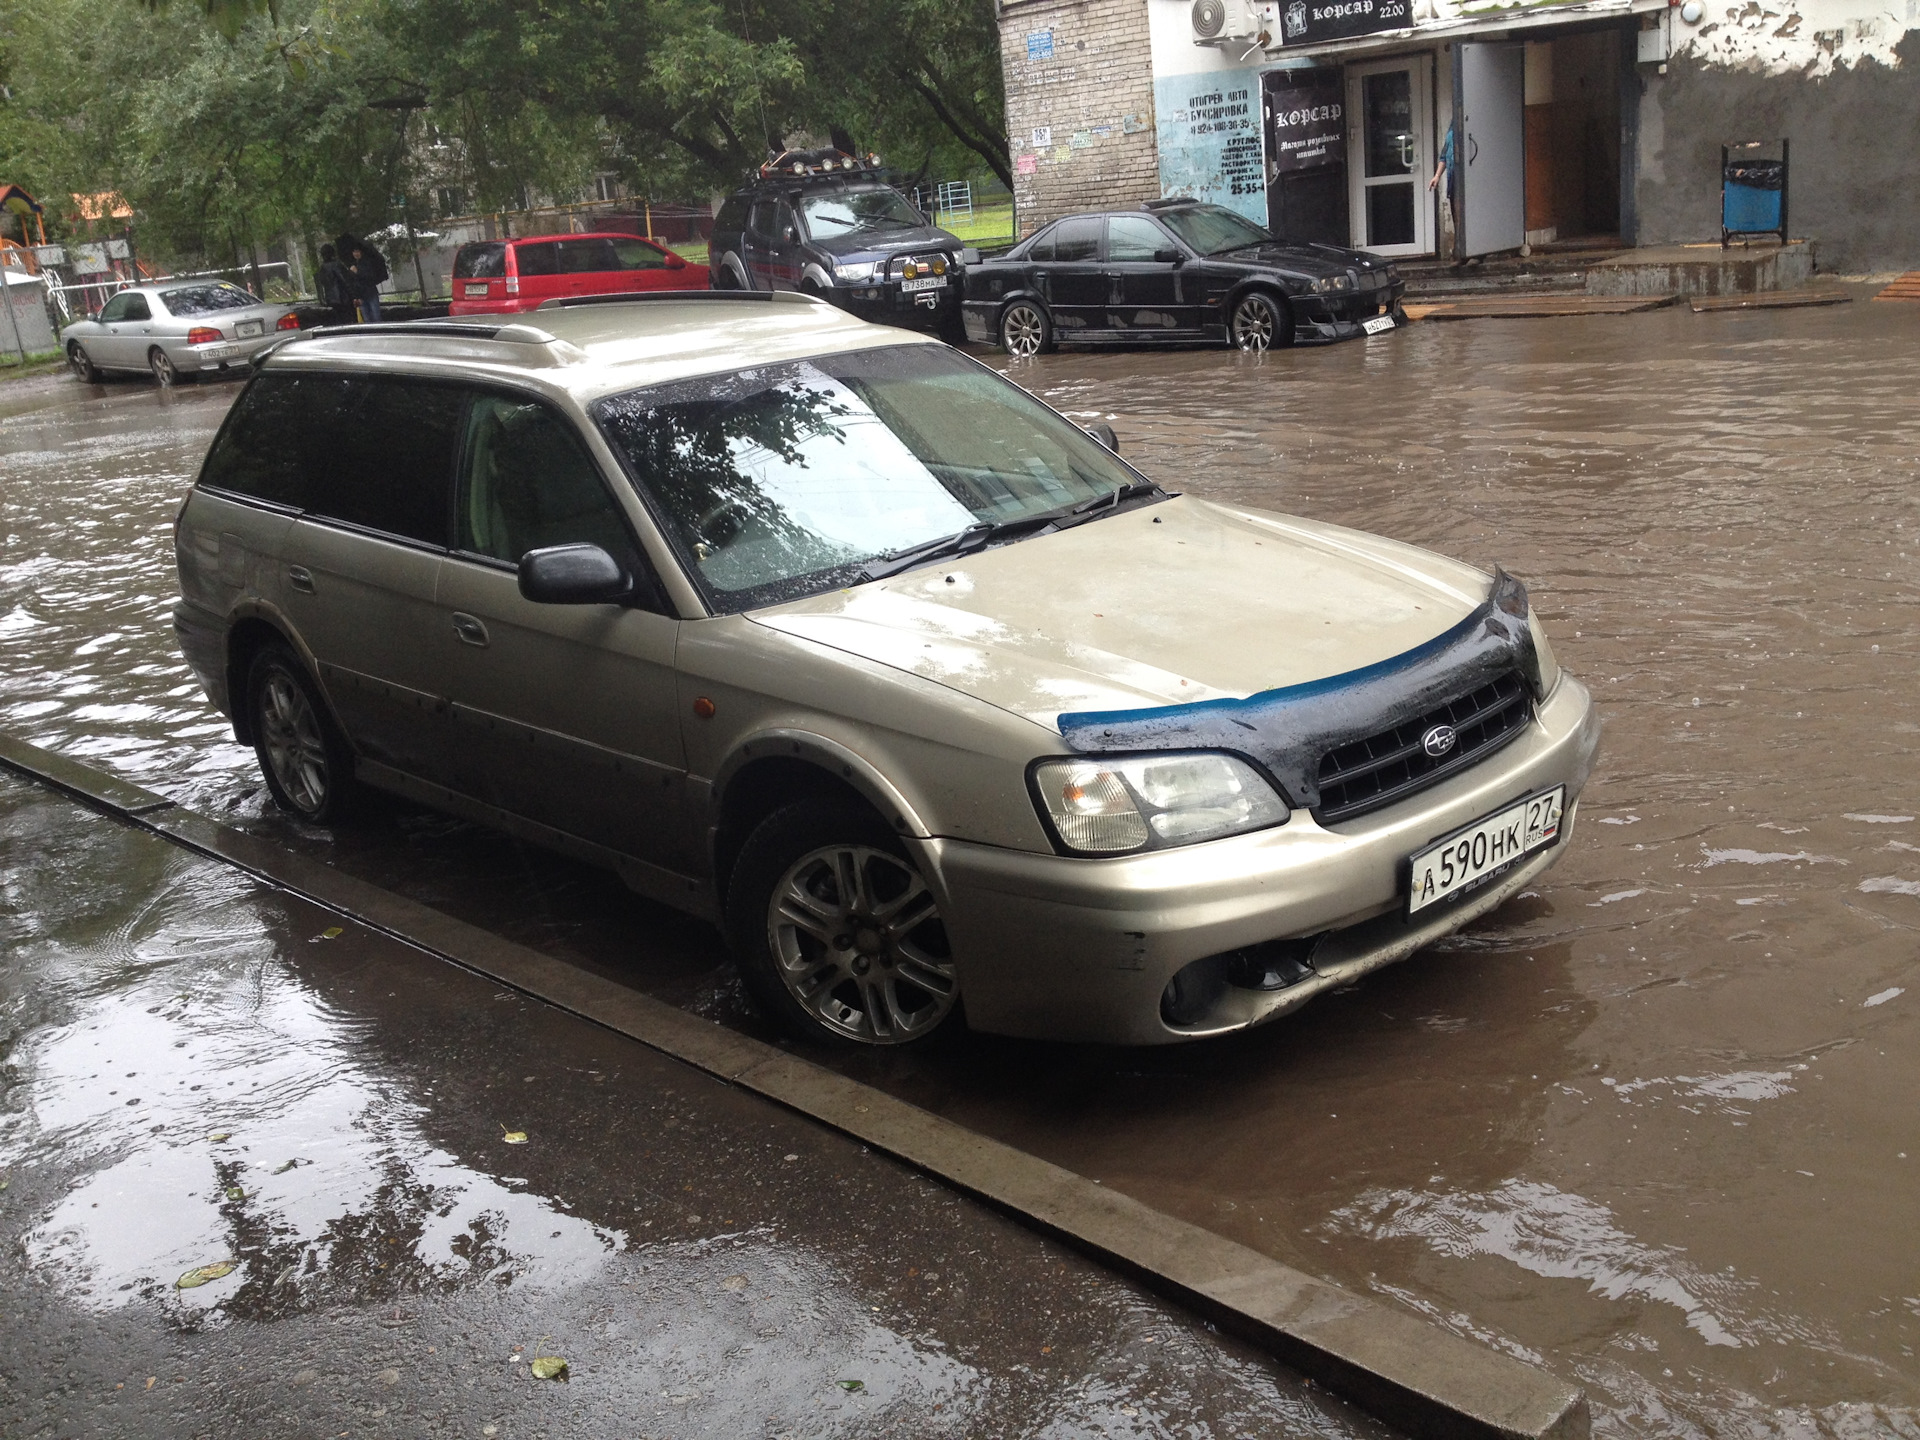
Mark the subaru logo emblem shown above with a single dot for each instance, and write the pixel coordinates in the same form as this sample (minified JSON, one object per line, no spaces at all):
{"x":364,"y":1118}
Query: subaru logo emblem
{"x":1438,"y":741}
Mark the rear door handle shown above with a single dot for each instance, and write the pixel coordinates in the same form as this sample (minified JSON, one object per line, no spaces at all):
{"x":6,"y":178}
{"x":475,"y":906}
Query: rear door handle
{"x":470,"y":630}
{"x":300,"y":578}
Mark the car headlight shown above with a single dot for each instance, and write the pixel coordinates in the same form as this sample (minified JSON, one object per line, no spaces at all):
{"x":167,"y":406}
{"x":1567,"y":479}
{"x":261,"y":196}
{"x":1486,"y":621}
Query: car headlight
{"x":855,"y":272}
{"x":1332,"y":283}
{"x":1549,"y":667}
{"x":1150,"y":802}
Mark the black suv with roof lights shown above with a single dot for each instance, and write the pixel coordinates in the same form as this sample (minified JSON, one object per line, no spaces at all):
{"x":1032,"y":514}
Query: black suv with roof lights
{"x":828,"y":223}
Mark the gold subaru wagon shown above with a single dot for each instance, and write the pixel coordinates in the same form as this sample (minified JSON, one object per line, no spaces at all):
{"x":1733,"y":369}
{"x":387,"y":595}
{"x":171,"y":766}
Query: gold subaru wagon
{"x":835,"y":637}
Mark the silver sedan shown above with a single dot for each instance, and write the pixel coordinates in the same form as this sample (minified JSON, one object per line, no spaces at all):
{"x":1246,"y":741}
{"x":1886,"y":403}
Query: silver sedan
{"x":176,"y":328}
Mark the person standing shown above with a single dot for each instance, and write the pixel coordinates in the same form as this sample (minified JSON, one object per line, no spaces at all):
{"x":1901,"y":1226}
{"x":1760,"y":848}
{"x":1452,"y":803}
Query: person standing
{"x":335,"y":284}
{"x":369,"y":269}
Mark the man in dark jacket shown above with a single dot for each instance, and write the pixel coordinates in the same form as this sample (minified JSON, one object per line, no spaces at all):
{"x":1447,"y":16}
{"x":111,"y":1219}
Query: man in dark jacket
{"x":335,"y":284}
{"x":369,"y":269}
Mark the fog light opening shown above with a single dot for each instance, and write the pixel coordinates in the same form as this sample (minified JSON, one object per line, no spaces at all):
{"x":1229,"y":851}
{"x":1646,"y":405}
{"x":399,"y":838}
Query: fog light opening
{"x":1193,"y":993}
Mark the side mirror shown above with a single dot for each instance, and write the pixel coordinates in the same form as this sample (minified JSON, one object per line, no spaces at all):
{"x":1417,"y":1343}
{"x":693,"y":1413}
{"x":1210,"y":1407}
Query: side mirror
{"x":1104,"y":434}
{"x":1168,"y":256}
{"x":789,"y":234}
{"x":573,"y":575}
{"x":969,"y":256}
{"x":674,"y":262}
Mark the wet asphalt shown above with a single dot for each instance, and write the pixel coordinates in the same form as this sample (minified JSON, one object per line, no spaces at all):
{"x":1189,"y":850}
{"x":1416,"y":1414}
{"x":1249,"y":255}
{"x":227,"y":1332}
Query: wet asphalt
{"x":1648,"y":1125}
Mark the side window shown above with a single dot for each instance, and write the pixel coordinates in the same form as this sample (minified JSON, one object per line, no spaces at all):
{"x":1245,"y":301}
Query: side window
{"x":389,"y":459}
{"x":1042,"y":248}
{"x":115,"y":309}
{"x":733,"y":214}
{"x":585,"y":257}
{"x":638,"y":255}
{"x":1077,"y":239}
{"x":763,"y":219}
{"x":528,"y":483}
{"x":278,"y":437}
{"x":1134,"y":237}
{"x":137,"y":308}
{"x":537,"y":259}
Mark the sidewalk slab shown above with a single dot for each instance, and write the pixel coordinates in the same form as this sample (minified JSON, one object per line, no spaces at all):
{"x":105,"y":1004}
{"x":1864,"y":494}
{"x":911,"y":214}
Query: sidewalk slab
{"x":1415,"y":1375}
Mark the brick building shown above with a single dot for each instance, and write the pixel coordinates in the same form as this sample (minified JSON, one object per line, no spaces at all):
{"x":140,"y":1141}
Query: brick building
{"x":1580,"y":120}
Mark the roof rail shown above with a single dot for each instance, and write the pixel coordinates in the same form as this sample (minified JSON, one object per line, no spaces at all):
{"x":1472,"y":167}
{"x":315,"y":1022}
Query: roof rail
{"x":411,"y":327}
{"x":654,"y":297}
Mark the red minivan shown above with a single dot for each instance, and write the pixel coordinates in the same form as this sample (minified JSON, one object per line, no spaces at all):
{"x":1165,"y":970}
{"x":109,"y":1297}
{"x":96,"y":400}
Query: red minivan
{"x":492,"y":277}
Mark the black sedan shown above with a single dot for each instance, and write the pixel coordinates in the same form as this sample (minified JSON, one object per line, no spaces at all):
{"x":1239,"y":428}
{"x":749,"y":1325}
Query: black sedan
{"x":1175,"y":270}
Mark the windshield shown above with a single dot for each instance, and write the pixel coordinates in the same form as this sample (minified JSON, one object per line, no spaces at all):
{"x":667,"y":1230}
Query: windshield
{"x":842,"y":212}
{"x":1210,"y":229}
{"x":205,"y":299}
{"x":781,"y":482}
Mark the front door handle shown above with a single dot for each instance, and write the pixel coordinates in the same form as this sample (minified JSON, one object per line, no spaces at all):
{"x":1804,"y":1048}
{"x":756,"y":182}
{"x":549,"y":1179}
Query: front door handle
{"x":300,"y":578}
{"x":470,"y":630}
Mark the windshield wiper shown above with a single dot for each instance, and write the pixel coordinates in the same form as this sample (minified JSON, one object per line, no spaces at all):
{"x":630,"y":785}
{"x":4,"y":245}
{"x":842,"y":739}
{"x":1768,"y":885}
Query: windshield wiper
{"x":990,"y":532}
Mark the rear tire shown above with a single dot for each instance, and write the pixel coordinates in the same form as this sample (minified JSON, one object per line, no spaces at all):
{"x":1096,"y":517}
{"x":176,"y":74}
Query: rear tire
{"x":165,"y":372}
{"x":1025,"y":329}
{"x":82,"y":364}
{"x":1261,"y":323}
{"x":836,"y":933}
{"x":306,"y":761}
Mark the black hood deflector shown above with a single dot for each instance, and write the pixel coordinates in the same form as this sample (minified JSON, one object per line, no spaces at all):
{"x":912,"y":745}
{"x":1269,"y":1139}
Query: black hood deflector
{"x":1288,"y":731}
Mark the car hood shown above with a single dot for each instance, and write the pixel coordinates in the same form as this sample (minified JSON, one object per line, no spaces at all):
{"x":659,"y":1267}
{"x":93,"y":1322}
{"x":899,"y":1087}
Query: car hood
{"x":1313,"y":261}
{"x":1164,"y":604}
{"x":882,"y":244}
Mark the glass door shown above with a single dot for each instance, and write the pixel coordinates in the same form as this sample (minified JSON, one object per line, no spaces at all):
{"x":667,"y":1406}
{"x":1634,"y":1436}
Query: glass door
{"x":1390,"y":155}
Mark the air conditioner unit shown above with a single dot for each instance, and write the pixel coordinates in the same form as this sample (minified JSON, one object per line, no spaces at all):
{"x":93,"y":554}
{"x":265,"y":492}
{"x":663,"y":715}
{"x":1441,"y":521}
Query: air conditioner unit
{"x":1238,"y":25}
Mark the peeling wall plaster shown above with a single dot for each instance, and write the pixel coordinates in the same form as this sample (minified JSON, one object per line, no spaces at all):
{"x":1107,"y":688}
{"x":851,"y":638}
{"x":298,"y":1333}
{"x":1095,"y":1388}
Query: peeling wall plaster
{"x":1810,"y":38}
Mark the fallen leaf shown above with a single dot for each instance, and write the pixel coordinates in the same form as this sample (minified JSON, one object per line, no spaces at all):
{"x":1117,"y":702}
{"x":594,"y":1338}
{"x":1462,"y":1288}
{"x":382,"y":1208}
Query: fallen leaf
{"x":734,"y":1282}
{"x":234,"y":1192}
{"x":201,"y":1274}
{"x":548,"y":1367}
{"x":282,"y":1169}
{"x":513,"y":1137}
{"x":332,"y":932}
{"x":220,"y":1137}
{"x":150,"y":1380}
{"x":852,"y":1386}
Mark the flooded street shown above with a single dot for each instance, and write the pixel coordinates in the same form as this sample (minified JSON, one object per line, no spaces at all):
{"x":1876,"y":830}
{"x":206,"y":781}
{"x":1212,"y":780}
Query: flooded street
{"x":1650,"y":1125}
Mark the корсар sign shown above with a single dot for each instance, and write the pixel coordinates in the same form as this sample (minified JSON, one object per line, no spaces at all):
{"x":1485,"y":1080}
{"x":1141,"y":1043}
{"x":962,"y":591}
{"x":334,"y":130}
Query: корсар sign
{"x":1307,"y":22}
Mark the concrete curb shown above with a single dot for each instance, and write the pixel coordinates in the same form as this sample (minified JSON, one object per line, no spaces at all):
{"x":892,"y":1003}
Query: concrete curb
{"x":1417,"y":1376}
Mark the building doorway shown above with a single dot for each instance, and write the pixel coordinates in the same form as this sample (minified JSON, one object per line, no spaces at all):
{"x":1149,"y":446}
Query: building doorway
{"x":1573,"y":138}
{"x":1390,"y":154}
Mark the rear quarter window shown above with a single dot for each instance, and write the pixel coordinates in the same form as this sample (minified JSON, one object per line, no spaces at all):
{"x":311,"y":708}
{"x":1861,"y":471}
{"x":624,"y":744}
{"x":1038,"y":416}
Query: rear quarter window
{"x":276,"y":439}
{"x":484,"y":260}
{"x":537,"y":259}
{"x":389,"y":464}
{"x":733,"y":214}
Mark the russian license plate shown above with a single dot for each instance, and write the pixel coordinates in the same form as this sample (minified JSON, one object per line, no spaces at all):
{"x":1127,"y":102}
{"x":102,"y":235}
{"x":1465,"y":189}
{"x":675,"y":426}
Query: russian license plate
{"x":1377,"y":324}
{"x":1484,"y":848}
{"x":932,"y":282}
{"x":250,"y":327}
{"x":474,"y":291}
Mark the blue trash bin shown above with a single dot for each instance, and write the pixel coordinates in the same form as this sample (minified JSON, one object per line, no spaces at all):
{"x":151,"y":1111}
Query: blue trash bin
{"x":1752,"y":196}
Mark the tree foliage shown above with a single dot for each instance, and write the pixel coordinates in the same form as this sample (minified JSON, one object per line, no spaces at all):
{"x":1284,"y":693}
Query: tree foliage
{"x":231,"y":121}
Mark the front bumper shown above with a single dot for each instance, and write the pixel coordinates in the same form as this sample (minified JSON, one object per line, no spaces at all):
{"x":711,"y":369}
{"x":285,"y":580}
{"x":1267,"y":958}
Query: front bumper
{"x":889,"y":305}
{"x":1338,"y":315}
{"x":1052,"y":947}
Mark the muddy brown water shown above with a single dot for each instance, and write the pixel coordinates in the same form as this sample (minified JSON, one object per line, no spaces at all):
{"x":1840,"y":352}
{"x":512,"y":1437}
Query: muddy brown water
{"x":1652,"y":1124}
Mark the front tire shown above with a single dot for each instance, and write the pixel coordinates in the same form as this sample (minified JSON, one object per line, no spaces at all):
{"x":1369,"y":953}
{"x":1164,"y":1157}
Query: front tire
{"x":837,"y":935}
{"x":305,"y":759}
{"x":165,"y":372}
{"x":81,"y":363}
{"x":1025,"y":330}
{"x":1260,"y":323}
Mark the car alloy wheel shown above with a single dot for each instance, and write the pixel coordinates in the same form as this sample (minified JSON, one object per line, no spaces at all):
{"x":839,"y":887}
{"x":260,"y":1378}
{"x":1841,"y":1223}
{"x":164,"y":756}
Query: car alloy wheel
{"x":307,"y":766}
{"x":1257,"y":325}
{"x":859,"y":944}
{"x":164,"y":370}
{"x":1023,"y":330}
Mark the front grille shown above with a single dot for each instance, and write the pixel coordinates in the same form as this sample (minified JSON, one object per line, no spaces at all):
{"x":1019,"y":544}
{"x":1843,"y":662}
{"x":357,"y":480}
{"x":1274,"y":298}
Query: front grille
{"x":1383,"y":768}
